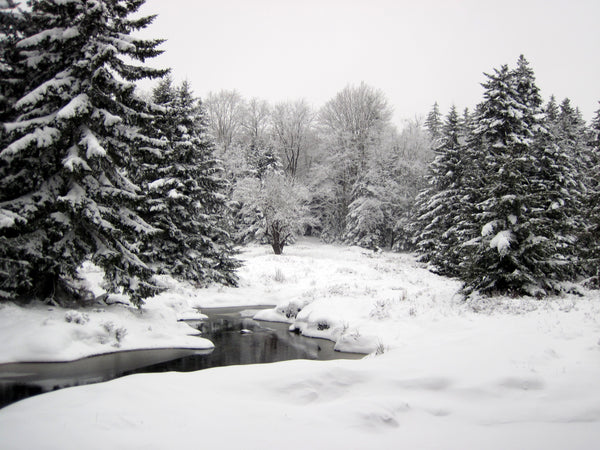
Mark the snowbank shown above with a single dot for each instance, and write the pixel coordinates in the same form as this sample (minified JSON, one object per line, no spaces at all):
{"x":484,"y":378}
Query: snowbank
{"x":495,"y":384}
{"x":490,"y":373}
{"x":40,"y":332}
{"x":358,"y":298}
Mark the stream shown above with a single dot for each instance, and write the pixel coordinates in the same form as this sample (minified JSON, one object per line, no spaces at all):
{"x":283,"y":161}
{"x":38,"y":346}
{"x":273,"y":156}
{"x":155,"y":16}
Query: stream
{"x":238,"y":339}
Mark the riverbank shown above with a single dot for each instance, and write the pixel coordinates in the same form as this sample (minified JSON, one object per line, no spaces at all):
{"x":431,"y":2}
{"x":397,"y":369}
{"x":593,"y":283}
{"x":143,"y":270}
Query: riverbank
{"x":444,"y":373}
{"x":39,"y":333}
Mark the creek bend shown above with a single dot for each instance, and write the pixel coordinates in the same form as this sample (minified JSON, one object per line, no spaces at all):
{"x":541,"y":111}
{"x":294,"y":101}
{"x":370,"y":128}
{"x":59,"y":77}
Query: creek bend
{"x":238,"y":339}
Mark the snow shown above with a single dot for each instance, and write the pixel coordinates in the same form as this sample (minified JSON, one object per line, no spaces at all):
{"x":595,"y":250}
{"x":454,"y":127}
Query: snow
{"x":75,"y":107}
{"x":48,"y":333}
{"x":61,"y":81}
{"x":501,"y":241}
{"x":492,"y":373}
{"x":108,"y":119}
{"x":42,"y":137}
{"x":8,"y":218}
{"x":488,"y":228}
{"x":90,"y":142}
{"x":73,"y":159}
{"x":53,"y":34}
{"x":75,"y":196}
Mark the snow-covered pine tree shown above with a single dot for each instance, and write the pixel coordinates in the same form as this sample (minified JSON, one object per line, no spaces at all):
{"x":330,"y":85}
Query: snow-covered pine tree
{"x":595,"y":131}
{"x":594,"y":200}
{"x":185,"y":194}
{"x":12,"y":27}
{"x":434,"y":124}
{"x":589,"y":242}
{"x":442,"y":209}
{"x":365,"y":221}
{"x":65,"y":195}
{"x":552,"y":111}
{"x":527,"y":183}
{"x":570,"y":136}
{"x":466,"y":122}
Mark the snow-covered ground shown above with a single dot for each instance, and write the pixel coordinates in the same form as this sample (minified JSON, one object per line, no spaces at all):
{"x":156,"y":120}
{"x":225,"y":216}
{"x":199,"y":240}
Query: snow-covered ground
{"x":493,"y":374}
{"x":40,"y":332}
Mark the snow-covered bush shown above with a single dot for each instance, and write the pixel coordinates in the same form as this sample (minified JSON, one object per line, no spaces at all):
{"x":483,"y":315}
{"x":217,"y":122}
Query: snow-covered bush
{"x":381,"y":310}
{"x":281,"y":205}
{"x":76,"y":317}
{"x":112,"y":333}
{"x":279,"y":277}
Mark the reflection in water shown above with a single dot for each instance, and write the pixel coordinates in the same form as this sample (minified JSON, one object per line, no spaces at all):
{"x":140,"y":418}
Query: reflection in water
{"x":238,"y":339}
{"x":22,"y":380}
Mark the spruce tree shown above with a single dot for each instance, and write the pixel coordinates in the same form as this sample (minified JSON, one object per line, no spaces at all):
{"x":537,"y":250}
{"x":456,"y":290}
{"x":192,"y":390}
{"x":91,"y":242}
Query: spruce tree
{"x":440,"y":208}
{"x":185,"y":189}
{"x":65,"y":195}
{"x":594,"y":199}
{"x":552,"y":111}
{"x":526,"y":196}
{"x":365,"y":219}
{"x":590,"y":242}
{"x":433,"y":123}
{"x":12,"y":26}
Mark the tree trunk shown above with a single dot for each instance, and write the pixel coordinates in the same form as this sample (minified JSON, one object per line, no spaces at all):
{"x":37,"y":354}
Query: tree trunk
{"x":277,"y":248}
{"x":276,"y":244}
{"x":277,"y":241}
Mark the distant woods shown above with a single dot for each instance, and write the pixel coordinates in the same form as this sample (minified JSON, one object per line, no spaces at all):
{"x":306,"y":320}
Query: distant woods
{"x":360,"y":173}
{"x":504,"y":197}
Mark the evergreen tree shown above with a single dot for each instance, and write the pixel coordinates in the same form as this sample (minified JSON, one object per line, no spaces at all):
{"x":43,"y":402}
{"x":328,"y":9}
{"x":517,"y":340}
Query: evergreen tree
{"x":365,"y":220}
{"x":441,"y":209}
{"x":433,"y":123}
{"x":552,"y":111}
{"x":12,"y":26}
{"x":595,"y":132}
{"x":590,"y":242}
{"x":527,"y":191}
{"x":64,"y":192}
{"x":185,"y":194}
{"x":466,"y":123}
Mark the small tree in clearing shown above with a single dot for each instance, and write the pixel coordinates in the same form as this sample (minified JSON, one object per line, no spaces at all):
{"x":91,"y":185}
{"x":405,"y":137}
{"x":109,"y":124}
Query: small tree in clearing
{"x":280,"y":202}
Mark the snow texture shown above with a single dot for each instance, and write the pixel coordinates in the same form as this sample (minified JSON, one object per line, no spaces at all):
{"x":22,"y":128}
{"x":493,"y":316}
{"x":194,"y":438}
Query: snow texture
{"x":54,"y":34}
{"x":42,"y":333}
{"x":90,"y":142}
{"x":501,"y":242}
{"x":75,"y":107}
{"x":41,"y":137}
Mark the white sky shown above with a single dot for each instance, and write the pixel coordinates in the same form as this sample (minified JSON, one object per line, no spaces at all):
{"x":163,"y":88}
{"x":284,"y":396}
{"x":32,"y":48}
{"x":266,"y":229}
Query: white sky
{"x":417,"y":52}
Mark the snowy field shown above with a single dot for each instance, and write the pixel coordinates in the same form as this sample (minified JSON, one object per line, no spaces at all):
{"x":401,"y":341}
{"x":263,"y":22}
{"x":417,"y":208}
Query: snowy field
{"x":443,"y":374}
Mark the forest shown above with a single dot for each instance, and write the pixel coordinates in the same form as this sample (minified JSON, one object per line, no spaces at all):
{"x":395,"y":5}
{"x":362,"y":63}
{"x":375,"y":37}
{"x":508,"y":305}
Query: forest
{"x":504,"y":197}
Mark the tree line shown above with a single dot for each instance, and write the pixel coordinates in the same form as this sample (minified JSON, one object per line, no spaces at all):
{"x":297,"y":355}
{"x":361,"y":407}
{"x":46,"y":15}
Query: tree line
{"x":349,"y":174}
{"x":512,"y":204}
{"x":504,"y":198}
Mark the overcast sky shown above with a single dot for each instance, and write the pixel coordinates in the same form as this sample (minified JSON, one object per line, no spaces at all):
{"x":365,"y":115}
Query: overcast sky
{"x":417,"y":52}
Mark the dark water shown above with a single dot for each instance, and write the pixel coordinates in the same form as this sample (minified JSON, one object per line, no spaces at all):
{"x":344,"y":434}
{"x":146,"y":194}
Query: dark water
{"x":238,"y":339}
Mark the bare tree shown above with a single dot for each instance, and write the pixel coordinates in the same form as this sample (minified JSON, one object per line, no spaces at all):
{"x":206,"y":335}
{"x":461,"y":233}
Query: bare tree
{"x":292,"y":128}
{"x":356,"y":116}
{"x":256,"y":120}
{"x":353,"y":126}
{"x":225,"y":111}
